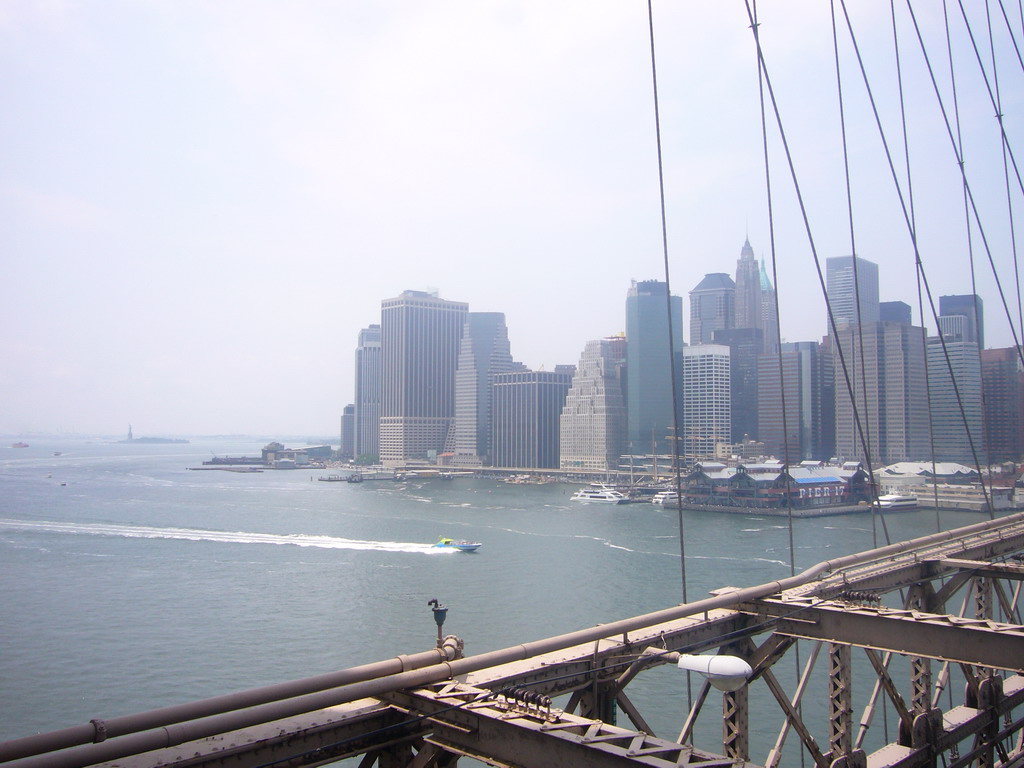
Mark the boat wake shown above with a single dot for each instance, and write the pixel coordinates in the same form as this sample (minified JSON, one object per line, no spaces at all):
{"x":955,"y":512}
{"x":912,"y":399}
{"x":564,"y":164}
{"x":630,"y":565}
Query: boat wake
{"x":224,"y":537}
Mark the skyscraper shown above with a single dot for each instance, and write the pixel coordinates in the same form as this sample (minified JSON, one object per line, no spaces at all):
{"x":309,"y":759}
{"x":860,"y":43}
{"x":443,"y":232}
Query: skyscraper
{"x":712,"y":307}
{"x":957,"y":423}
{"x":348,"y":419}
{"x":706,"y":399}
{"x":420,"y":335}
{"x":894,"y":312}
{"x":1002,"y":375}
{"x":769,"y":313}
{"x":888,"y":383}
{"x":972,"y":309}
{"x":592,"y":427}
{"x":483,"y":352}
{"x":748,"y":290}
{"x":803,"y":370}
{"x":366,"y":417}
{"x":653,"y":344}
{"x":843,"y":290}
{"x":745,"y":345}
{"x":527,"y":406}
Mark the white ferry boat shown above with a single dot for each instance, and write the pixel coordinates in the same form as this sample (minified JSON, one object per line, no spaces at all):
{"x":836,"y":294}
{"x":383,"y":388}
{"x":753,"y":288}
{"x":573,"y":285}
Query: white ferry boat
{"x":601,"y":493}
{"x":665,"y":497}
{"x":896,"y":501}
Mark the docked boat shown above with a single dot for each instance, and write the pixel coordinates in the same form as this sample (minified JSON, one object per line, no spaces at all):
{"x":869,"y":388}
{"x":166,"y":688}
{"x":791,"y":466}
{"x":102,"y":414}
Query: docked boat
{"x":462,"y":546}
{"x":599,"y":493}
{"x":896,"y":501}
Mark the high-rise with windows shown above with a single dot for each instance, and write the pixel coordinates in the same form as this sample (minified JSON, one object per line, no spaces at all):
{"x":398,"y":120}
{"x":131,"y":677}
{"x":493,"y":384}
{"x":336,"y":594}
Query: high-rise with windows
{"x":972,"y":309}
{"x":527,"y":406}
{"x":706,"y":399}
{"x":888,"y":383}
{"x":847,"y":279}
{"x":1002,"y":376}
{"x":592,"y":432}
{"x":748,"y":290}
{"x":483,"y":352}
{"x":420,"y":336}
{"x":712,"y":307}
{"x":954,"y":392}
{"x":745,"y":346}
{"x":366,"y":415}
{"x":654,"y":339}
{"x":798,"y":432}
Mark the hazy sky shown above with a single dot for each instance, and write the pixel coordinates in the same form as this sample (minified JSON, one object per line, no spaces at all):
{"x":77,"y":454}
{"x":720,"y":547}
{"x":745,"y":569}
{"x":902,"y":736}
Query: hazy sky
{"x":201,"y":203}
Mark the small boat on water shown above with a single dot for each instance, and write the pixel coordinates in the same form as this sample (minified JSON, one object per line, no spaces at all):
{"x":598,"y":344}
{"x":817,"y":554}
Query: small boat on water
{"x":896,"y":501}
{"x":462,"y":546}
{"x":600,"y":493}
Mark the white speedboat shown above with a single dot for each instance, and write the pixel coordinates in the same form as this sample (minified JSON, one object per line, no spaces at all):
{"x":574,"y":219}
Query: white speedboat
{"x":599,"y":493}
{"x":897,"y":501}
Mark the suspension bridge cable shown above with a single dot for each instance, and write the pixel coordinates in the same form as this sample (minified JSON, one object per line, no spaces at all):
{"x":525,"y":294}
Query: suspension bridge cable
{"x":805,"y":219}
{"x":668,"y":299}
{"x":914,"y":241}
{"x":970,"y":193}
{"x":1006,"y":171}
{"x":1013,"y":37}
{"x":866,"y":445}
{"x":777,"y":330}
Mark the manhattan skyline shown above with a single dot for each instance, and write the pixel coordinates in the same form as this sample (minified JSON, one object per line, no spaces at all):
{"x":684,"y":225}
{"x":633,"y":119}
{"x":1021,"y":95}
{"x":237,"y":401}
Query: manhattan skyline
{"x":201,"y":206}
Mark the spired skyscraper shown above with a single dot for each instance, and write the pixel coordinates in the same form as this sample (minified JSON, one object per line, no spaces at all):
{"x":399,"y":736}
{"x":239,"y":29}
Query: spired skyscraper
{"x":420,"y":339}
{"x":748,"y":290}
{"x":483,"y":353}
{"x":593,"y":420}
{"x":654,"y":343}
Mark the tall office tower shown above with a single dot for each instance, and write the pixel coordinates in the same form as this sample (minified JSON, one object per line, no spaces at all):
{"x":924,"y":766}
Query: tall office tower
{"x":366,"y":423}
{"x":527,"y":406}
{"x":748,"y":290}
{"x":707,"y":403}
{"x":893,"y":412}
{"x":712,"y":307}
{"x":483,"y":352}
{"x":1002,"y":377}
{"x":348,"y":424}
{"x":769,"y":313}
{"x":972,"y":309}
{"x":592,"y":426}
{"x":956,"y":424}
{"x":800,"y":436}
{"x":420,"y":335}
{"x":745,"y":345}
{"x":650,"y":357}
{"x":843,"y":290}
{"x":894,"y":312}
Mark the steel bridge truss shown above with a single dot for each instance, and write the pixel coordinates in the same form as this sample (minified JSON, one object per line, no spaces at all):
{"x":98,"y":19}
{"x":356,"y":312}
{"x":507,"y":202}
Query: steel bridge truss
{"x":860,"y":619}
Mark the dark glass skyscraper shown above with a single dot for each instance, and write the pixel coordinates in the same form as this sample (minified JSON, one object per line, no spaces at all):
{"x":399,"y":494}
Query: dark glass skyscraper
{"x":712,"y":307}
{"x":651,"y":351}
{"x":527,"y":406}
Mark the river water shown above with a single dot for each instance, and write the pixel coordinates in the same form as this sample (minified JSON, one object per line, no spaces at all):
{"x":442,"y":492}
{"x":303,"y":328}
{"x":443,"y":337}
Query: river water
{"x":129,"y":582}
